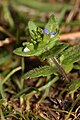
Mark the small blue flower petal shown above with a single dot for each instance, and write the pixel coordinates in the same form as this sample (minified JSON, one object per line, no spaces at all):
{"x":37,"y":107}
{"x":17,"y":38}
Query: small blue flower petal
{"x":52,"y":34}
{"x":46,"y":31}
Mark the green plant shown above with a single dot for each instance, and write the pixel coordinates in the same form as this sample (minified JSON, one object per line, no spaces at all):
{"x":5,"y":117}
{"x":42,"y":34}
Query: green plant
{"x":45,"y":43}
{"x":60,"y":58}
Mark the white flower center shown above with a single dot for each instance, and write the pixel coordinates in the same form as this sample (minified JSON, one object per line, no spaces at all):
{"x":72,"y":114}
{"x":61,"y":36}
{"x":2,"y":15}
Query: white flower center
{"x":52,"y":36}
{"x":26,"y":49}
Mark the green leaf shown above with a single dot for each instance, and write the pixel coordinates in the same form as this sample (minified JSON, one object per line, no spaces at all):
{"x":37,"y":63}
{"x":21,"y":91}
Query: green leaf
{"x":29,"y":45}
{"x":25,"y":91}
{"x":2,"y":90}
{"x":52,"y":26}
{"x":68,"y":67}
{"x":32,"y":27}
{"x":38,"y":72}
{"x":2,"y":101}
{"x":77,"y":66}
{"x":19,"y":115}
{"x":19,"y":51}
{"x":57,"y":49}
{"x":75,"y":84}
{"x":70,"y":56}
{"x":43,"y":6}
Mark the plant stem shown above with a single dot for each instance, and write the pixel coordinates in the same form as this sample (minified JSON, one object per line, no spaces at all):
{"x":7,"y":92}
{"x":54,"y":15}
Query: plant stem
{"x":59,"y":67}
{"x":48,"y":84}
{"x":10,"y":74}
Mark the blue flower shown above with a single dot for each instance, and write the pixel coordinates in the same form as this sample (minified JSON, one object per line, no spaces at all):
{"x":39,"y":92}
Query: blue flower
{"x":52,"y":34}
{"x":46,"y":31}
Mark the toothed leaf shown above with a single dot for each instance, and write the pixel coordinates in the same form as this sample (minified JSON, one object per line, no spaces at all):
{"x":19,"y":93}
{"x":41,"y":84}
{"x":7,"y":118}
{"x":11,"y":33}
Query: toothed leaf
{"x":70,"y":56}
{"x":38,"y":72}
{"x":57,"y":49}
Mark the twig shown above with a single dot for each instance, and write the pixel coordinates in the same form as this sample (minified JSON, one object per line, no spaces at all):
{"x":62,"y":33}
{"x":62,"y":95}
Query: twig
{"x":70,"y":36}
{"x":73,"y":11}
{"x":7,"y":41}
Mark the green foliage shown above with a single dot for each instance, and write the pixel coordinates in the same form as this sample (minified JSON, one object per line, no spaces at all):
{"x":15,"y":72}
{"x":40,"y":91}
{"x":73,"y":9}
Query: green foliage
{"x":75,"y":84}
{"x":56,"y":50}
{"x":38,"y":72}
{"x":32,"y":90}
{"x":25,"y":91}
{"x":43,"y":6}
{"x":2,"y":101}
{"x":46,"y":45}
{"x":2,"y":91}
{"x":39,"y":42}
{"x":70,"y":56}
{"x":32,"y":27}
{"x":6,"y":13}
